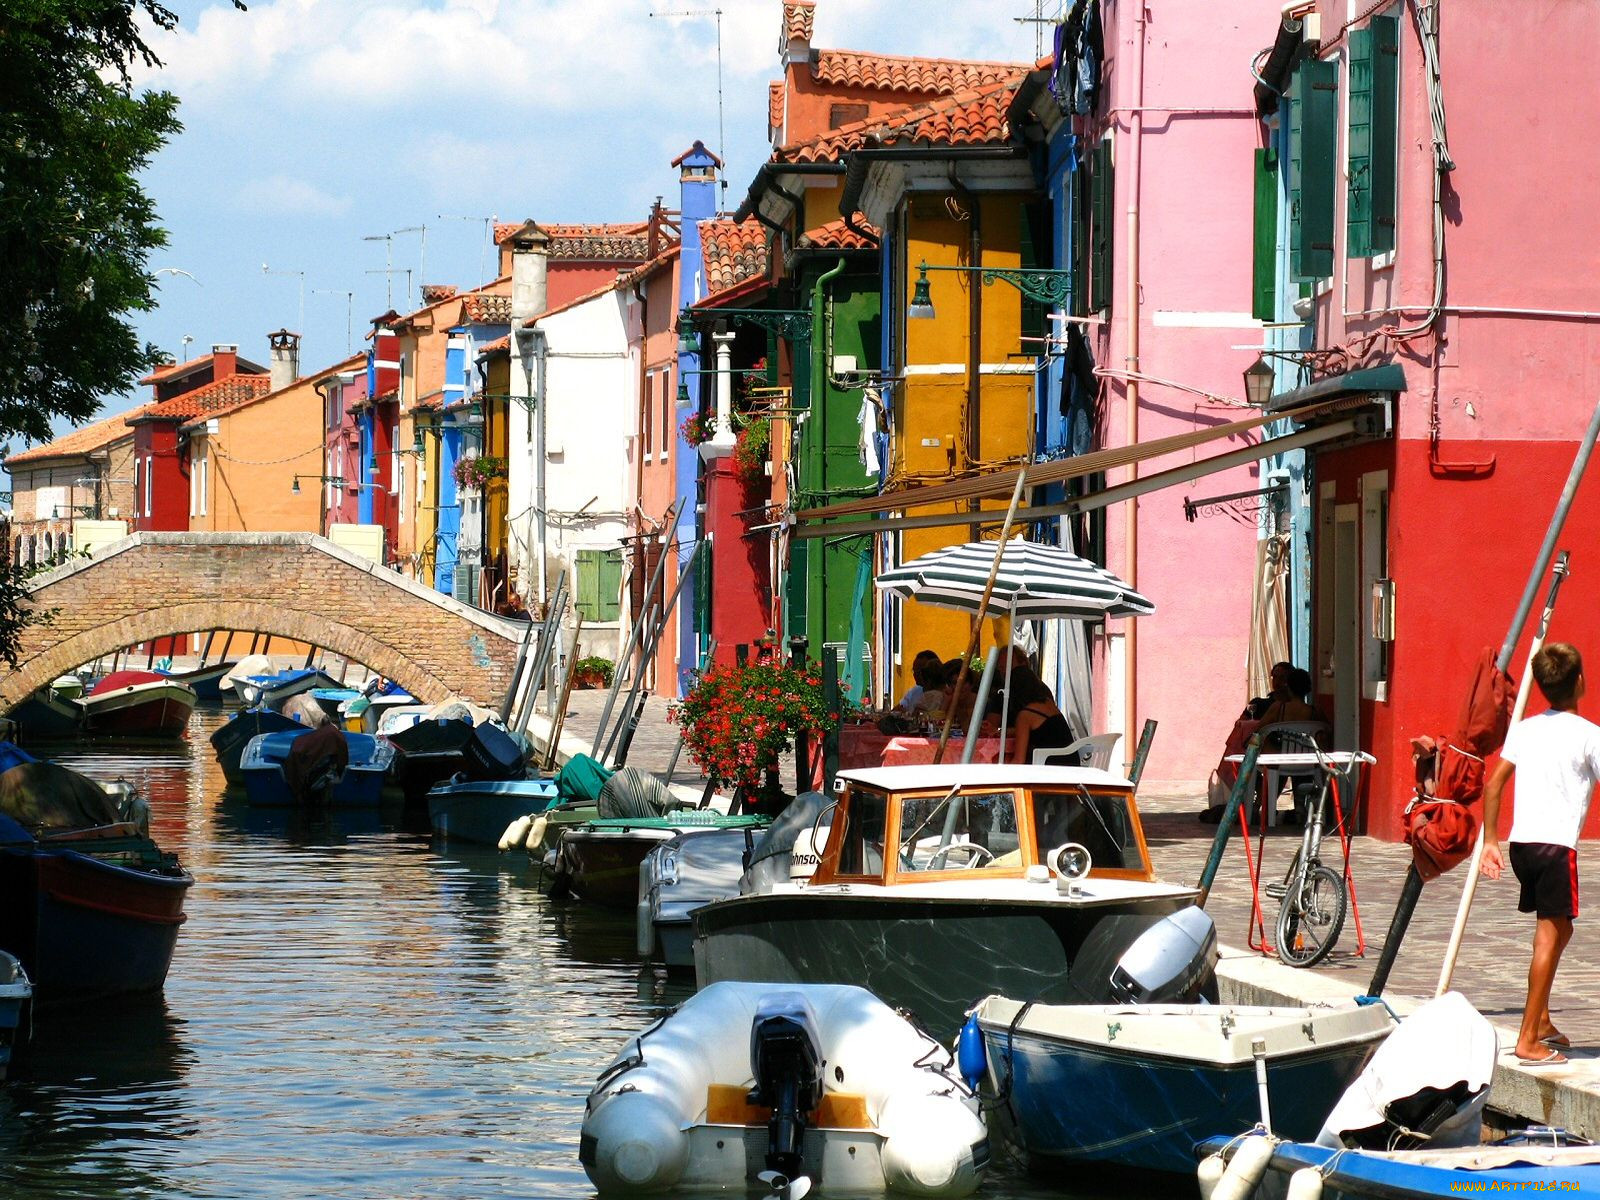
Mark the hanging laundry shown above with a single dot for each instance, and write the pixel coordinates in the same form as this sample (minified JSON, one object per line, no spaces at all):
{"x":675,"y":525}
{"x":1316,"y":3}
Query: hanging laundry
{"x":868,"y":441}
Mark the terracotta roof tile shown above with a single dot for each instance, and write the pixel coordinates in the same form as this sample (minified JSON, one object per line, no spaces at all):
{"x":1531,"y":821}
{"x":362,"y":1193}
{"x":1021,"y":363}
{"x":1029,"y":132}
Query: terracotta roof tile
{"x":172,"y":371}
{"x":775,"y":105}
{"x":627,"y":241}
{"x":429,"y":403}
{"x":498,"y":346}
{"x":355,"y":362}
{"x":976,"y":116}
{"x":835,"y":236}
{"x":799,"y":17}
{"x":81,"y":441}
{"x":734,"y":251}
{"x":432,"y":293}
{"x":398,"y":323}
{"x":487,"y":309}
{"x":900,"y":73}
{"x":207,"y":400}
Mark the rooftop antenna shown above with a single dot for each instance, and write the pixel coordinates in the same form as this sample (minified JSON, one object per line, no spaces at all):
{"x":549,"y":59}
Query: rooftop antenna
{"x":422,"y":257}
{"x":722,"y":141}
{"x":488,"y":236}
{"x":349,"y":312}
{"x":388,"y":265}
{"x":1039,"y":21}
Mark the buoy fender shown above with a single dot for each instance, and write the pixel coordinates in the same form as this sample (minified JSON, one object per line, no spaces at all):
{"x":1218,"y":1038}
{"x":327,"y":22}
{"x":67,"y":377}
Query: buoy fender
{"x":934,"y":1145}
{"x":633,"y":1143}
{"x":1245,"y":1172}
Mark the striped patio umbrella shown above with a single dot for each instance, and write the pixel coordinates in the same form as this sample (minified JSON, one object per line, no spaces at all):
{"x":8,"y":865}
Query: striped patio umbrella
{"x":1035,"y":583}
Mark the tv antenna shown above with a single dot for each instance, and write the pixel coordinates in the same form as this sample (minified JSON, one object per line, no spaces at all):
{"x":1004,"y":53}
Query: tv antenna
{"x":349,"y":312}
{"x":488,"y":236}
{"x":722,"y":141}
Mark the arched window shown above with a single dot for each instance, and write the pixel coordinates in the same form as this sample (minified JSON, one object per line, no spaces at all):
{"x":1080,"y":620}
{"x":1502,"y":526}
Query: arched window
{"x":33,"y":549}
{"x":49,"y":542}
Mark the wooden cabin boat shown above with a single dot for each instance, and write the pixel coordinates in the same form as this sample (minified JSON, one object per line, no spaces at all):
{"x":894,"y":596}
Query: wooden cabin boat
{"x":138,"y":704}
{"x":943,"y":884}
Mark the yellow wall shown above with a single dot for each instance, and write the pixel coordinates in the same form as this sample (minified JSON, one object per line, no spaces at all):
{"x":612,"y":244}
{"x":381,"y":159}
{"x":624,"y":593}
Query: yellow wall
{"x":425,"y":483}
{"x":936,"y":406}
{"x":496,"y":444}
{"x":255,"y":454}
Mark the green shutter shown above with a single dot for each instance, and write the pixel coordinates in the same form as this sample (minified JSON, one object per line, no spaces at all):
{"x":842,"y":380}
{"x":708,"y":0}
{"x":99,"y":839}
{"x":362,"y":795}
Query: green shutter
{"x":1033,"y":311}
{"x":1100,"y":251}
{"x":1264,"y":276}
{"x":1358,"y":196}
{"x":588,"y":584}
{"x":610,"y":583}
{"x":1080,"y":242}
{"x":1313,"y":130}
{"x":1385,"y":118}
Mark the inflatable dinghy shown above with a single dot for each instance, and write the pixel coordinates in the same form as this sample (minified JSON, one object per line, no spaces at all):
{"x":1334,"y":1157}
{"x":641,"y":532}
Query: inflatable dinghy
{"x":830,"y":1092}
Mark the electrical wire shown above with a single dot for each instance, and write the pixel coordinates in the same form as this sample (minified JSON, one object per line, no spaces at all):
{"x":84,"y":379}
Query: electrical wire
{"x":221,"y":452}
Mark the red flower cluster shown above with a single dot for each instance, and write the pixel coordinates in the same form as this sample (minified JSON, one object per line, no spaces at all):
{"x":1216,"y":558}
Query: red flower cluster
{"x":697,"y":429}
{"x":737,"y":720}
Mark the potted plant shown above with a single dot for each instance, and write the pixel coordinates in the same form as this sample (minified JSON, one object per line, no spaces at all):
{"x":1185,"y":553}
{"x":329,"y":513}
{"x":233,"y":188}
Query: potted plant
{"x":750,"y":450}
{"x":697,"y":429}
{"x":592,"y":671}
{"x":479,"y":471}
{"x":738,"y":720}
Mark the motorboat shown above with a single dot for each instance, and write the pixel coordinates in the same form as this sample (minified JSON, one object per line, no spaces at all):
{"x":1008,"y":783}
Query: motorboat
{"x":66,"y":687}
{"x":272,"y":689}
{"x":946,"y":883}
{"x":280,"y":770}
{"x":1166,"y":1075}
{"x":45,"y":717}
{"x":204,"y":680}
{"x":232,"y":736}
{"x":817,"y":1088}
{"x":598,"y":861}
{"x":687,"y":871}
{"x":16,"y":989}
{"x":88,"y":902}
{"x":330,"y":698}
{"x":365,"y":712}
{"x":1409,"y":1125}
{"x":448,"y":742}
{"x":138,"y":704}
{"x":482,"y":810}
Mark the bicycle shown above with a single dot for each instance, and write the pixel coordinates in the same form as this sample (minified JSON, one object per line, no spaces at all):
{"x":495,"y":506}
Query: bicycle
{"x":1314,"y":898}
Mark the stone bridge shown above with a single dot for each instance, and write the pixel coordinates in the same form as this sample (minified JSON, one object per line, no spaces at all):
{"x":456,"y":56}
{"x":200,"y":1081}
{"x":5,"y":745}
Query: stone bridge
{"x":290,"y":585}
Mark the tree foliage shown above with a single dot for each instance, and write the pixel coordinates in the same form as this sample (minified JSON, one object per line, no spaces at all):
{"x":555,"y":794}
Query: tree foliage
{"x":76,"y":228}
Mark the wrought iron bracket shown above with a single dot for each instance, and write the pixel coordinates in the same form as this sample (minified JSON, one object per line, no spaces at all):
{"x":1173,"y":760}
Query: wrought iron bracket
{"x":793,"y":324}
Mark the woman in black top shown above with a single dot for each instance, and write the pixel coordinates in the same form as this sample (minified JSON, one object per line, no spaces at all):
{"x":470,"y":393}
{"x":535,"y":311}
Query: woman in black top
{"x":1037,"y":724}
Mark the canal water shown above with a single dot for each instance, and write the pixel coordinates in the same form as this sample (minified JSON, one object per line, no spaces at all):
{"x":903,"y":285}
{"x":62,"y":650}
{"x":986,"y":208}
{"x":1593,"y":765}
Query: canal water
{"x":353,"y":1012}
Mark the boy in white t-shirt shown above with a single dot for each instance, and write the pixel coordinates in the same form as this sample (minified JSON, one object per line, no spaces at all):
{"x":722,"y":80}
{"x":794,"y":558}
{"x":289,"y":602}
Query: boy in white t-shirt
{"x":1556,"y":758}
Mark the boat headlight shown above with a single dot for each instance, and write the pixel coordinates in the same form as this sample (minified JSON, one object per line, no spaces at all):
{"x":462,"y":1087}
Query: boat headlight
{"x":1071,"y":862}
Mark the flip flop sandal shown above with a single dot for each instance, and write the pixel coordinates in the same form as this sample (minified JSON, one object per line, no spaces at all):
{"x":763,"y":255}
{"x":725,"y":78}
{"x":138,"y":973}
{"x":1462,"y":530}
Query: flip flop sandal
{"x":1554,"y":1059}
{"x":1559,"y":1040}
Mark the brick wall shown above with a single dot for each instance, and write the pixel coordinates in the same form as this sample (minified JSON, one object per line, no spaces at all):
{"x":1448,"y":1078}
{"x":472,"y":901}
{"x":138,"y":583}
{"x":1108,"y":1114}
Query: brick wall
{"x":291,"y":585}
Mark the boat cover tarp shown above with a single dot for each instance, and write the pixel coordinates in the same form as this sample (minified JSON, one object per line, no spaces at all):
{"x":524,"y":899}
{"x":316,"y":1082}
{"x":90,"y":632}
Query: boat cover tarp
{"x":492,"y":753}
{"x":250,"y":664}
{"x":770,"y":860}
{"x":118,"y":680}
{"x":43,"y":795}
{"x":458,"y":709}
{"x":315,"y":762}
{"x":632,"y":793}
{"x":1445,"y":1051}
{"x":304,"y":708}
{"x":580,"y":780}
{"x":11,"y":755}
{"x":431,"y":736}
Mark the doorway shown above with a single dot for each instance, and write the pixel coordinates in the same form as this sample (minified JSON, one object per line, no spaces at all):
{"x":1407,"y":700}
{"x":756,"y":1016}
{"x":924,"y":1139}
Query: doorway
{"x":1346,"y":627}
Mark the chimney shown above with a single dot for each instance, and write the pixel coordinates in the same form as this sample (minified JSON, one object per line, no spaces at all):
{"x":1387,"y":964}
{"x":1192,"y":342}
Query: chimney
{"x":530,"y":272}
{"x":224,"y":362}
{"x":285,"y":358}
{"x":794,"y":42}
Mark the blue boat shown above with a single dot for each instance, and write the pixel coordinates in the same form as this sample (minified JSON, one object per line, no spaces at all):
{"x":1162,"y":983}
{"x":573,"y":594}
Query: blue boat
{"x":234,"y":735}
{"x":482,"y":810}
{"x":359,"y":785}
{"x":272,"y":690}
{"x":90,"y":913}
{"x":15,"y":991}
{"x":330,"y":698}
{"x":1525,"y":1164}
{"x":1162,"y":1076}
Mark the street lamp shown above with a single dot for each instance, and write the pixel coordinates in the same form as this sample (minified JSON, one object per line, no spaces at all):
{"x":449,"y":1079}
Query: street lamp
{"x":1036,"y":283}
{"x":1258,"y":381}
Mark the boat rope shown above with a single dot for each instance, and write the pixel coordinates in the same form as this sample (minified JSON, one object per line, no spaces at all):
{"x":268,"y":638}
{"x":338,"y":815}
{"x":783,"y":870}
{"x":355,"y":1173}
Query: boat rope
{"x":1003,"y":1095}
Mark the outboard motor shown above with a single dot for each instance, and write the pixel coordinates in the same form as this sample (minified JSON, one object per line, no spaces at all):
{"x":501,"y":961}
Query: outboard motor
{"x":1172,"y":962}
{"x":786,"y":1062}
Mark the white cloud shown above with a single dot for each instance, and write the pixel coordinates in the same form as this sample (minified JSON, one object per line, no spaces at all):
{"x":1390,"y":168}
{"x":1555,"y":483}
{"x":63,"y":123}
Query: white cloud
{"x":283,"y":195}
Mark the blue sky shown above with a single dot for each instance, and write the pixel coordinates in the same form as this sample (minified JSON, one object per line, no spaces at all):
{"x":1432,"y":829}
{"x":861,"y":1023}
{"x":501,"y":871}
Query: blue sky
{"x":311,"y":125}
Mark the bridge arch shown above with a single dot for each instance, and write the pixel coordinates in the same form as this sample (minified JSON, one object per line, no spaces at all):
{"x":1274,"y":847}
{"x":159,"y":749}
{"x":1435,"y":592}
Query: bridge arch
{"x":292,"y":585}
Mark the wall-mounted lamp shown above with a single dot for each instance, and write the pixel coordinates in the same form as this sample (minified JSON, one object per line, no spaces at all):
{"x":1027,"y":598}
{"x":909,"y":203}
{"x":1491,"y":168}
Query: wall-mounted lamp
{"x":683,"y":395}
{"x":294,"y":487}
{"x":1258,"y":380}
{"x":1036,"y":283}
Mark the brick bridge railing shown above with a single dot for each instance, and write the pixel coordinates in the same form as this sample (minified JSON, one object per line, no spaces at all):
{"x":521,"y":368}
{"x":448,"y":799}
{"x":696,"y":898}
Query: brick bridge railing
{"x":291,"y":585}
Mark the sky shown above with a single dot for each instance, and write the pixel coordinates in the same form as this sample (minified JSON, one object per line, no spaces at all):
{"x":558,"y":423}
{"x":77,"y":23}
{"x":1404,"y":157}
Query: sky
{"x":312,"y":128}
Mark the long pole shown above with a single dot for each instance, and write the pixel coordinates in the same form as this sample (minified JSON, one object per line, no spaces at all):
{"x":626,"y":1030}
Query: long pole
{"x":566,"y":694}
{"x":648,"y":648}
{"x":1469,"y":889}
{"x":977,"y":630}
{"x":1241,"y":784}
{"x":516,"y":673}
{"x":1413,"y":884}
{"x":547,"y":637}
{"x":670,"y":524}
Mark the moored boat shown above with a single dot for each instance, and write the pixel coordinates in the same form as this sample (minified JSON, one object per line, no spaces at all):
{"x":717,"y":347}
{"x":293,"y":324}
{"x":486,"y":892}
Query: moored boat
{"x":138,"y":704}
{"x":598,"y":861}
{"x":272,"y":689}
{"x":482,"y":810}
{"x":42,"y":717}
{"x":232,"y":736}
{"x":818,"y":1088}
{"x":948,"y":879}
{"x":205,"y":680}
{"x":15,"y":992}
{"x":66,"y":687}
{"x":1165,"y":1075}
{"x":271,"y":767}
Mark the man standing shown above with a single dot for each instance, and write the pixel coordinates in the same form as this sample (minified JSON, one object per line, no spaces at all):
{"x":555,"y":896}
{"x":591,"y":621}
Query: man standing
{"x":1556,"y":758}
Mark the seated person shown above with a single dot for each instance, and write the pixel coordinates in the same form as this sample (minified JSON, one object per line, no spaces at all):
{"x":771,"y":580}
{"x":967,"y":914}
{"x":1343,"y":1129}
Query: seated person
{"x":1289,"y":700}
{"x":1036,"y":722}
{"x":961,"y":692}
{"x":926,"y":694}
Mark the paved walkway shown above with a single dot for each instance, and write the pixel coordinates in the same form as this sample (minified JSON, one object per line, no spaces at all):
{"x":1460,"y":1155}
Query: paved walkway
{"x":1491,"y":970}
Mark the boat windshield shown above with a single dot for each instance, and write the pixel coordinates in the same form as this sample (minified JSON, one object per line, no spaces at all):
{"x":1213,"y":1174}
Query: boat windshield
{"x":957,"y":830}
{"x":1098,"y":821}
{"x":864,"y":821}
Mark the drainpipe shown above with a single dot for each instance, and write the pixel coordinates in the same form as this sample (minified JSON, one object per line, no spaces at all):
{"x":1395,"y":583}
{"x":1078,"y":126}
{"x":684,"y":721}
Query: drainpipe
{"x":973,"y":447}
{"x":1131,"y":432}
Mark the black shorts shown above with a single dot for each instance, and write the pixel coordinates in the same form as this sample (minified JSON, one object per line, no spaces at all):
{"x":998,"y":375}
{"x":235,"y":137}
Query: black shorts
{"x":1549,"y":878}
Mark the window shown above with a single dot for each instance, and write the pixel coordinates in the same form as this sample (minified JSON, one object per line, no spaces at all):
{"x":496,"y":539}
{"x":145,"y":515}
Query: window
{"x":138,"y":484}
{"x":1370,"y":144}
{"x":202,"y":478}
{"x":1100,"y":216}
{"x":1313,"y":129}
{"x":647,"y":443}
{"x":149,"y":485}
{"x":599,"y":583}
{"x":972,"y":829}
{"x":1377,"y":586}
{"x":1097,"y":821}
{"x":861,"y":851}
{"x":666,"y":413}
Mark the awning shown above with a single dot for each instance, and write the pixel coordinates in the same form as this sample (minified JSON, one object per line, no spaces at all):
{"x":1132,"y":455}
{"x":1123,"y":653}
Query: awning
{"x":1387,"y":378}
{"x":1349,"y":417}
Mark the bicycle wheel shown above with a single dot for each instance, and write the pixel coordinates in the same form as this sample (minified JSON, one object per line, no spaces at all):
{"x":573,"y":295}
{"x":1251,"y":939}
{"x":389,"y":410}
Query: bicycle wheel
{"x":1311,"y":917}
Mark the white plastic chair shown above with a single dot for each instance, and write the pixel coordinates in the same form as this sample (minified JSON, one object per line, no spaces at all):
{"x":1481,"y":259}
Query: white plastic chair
{"x":1273,"y":741}
{"x":1096,"y":750}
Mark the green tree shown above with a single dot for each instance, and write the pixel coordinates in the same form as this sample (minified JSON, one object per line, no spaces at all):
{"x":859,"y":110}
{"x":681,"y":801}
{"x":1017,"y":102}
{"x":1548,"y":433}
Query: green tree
{"x":76,"y":228}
